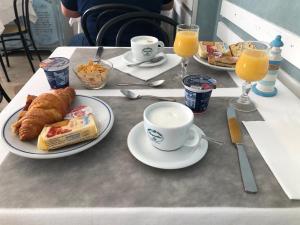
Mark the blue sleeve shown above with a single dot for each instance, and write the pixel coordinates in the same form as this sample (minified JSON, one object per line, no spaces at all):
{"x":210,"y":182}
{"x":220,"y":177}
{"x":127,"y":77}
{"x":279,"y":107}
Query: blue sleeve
{"x":70,"y":4}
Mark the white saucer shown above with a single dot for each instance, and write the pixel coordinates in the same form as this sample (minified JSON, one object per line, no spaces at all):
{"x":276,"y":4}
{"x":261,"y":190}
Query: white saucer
{"x":128,"y":58}
{"x":141,"y":148}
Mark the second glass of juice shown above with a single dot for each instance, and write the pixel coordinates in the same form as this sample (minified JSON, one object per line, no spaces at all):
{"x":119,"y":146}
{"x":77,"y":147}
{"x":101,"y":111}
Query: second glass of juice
{"x":252,"y":65}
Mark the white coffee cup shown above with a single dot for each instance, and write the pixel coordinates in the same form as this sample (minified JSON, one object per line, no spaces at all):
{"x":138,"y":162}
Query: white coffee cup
{"x":168,"y":126}
{"x":145,"y":47}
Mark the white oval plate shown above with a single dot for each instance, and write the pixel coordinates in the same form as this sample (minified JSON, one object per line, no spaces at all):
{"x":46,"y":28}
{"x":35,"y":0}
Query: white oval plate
{"x":103,"y":114}
{"x":141,"y":148}
{"x":128,"y":58}
{"x":204,"y":62}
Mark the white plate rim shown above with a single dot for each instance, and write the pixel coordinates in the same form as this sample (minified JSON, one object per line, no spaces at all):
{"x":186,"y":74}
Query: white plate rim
{"x":203,"y":151}
{"x":146,"y":64}
{"x":52,"y":154}
{"x":204,"y":62}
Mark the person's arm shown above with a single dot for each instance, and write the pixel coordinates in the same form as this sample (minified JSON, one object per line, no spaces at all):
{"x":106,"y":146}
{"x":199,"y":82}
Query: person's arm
{"x":168,"y":5}
{"x":68,"y":9}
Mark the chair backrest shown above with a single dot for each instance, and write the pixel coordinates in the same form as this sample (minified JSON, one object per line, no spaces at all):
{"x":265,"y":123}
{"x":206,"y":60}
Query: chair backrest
{"x":3,"y":94}
{"x":103,"y":13}
{"x":139,"y":21}
{"x":22,"y":14}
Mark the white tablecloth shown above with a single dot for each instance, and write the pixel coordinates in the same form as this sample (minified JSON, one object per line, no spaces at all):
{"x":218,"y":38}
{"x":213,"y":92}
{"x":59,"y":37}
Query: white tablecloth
{"x":150,"y":216}
{"x":7,"y":13}
{"x":269,"y":109}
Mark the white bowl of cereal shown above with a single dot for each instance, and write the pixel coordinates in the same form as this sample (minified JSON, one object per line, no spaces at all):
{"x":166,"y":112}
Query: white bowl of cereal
{"x":94,"y":75}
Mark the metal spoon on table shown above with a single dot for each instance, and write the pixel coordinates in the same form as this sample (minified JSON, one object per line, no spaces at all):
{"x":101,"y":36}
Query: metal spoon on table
{"x":155,"y":83}
{"x":132,"y":95}
{"x":153,"y":60}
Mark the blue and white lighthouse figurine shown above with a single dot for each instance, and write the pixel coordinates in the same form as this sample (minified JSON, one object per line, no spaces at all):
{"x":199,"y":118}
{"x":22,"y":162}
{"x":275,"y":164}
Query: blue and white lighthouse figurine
{"x":266,"y":87}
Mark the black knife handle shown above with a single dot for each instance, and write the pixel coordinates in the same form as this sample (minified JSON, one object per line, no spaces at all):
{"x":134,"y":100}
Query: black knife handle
{"x":246,"y":171}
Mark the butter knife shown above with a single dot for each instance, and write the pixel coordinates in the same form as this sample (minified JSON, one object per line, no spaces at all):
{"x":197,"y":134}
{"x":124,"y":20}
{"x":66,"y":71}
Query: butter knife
{"x":236,"y":138}
{"x":99,"y":52}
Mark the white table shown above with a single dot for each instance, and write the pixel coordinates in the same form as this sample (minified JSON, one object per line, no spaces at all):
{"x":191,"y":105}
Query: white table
{"x":7,"y":14}
{"x":270,"y":109}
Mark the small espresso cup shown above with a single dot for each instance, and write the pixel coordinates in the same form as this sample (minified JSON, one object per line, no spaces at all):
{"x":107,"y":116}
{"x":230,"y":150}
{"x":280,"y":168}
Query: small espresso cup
{"x":145,"y":47}
{"x":169,"y":126}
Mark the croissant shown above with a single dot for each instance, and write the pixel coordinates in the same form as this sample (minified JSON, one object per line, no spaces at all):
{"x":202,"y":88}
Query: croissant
{"x":44,"y":109}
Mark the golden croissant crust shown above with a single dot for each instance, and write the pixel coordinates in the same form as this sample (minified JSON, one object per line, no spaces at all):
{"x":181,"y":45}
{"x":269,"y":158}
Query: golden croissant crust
{"x":45,"y":109}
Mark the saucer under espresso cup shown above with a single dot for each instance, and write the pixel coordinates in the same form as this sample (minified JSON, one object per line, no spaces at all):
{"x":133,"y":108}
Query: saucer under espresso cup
{"x":168,"y":126}
{"x":144,"y":48}
{"x":128,"y":58}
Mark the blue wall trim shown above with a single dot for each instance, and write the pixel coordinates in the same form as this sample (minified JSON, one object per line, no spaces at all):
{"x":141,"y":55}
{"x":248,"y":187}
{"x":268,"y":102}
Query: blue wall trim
{"x":207,"y":15}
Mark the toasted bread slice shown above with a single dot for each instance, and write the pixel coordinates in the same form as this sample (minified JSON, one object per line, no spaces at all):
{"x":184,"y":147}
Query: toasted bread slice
{"x":215,"y":46}
{"x":227,"y":61}
{"x":236,"y":49}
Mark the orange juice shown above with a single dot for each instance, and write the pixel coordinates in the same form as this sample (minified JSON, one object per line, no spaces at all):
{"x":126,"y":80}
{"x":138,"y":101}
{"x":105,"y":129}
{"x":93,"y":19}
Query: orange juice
{"x":252,"y":65}
{"x":186,"y":43}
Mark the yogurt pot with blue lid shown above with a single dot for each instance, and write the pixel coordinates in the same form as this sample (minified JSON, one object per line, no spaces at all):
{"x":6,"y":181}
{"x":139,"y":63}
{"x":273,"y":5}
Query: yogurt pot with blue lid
{"x":57,"y":71}
{"x":198,"y":89}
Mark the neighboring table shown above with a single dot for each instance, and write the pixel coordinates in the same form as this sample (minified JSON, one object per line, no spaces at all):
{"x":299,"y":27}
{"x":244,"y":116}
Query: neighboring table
{"x":7,"y":13}
{"x":211,"y":206}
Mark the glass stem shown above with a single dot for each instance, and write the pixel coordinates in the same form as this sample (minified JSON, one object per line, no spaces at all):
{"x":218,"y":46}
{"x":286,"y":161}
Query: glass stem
{"x":184,"y":64}
{"x":244,"y":98}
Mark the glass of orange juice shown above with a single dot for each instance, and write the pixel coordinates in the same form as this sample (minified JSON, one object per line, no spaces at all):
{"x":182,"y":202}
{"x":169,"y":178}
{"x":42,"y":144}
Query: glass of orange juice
{"x":252,"y":65}
{"x":186,"y":44}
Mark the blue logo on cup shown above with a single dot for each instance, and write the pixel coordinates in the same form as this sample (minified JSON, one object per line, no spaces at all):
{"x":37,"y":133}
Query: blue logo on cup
{"x":147,"y":51}
{"x":155,"y":136}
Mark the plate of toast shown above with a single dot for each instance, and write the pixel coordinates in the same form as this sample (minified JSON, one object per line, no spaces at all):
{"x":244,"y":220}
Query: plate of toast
{"x":219,"y":55}
{"x":57,"y":124}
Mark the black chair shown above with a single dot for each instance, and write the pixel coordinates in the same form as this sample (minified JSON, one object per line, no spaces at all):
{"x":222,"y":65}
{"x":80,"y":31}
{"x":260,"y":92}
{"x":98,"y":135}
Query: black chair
{"x":146,"y":22}
{"x":102,"y":14}
{"x":4,"y":69}
{"x":18,"y":30}
{"x":3,"y":94}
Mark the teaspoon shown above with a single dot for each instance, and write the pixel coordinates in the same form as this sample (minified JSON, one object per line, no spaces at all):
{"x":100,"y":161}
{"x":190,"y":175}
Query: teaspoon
{"x":155,"y":83}
{"x":153,"y":60}
{"x":132,"y":95}
{"x":98,"y":55}
{"x":212,"y":140}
